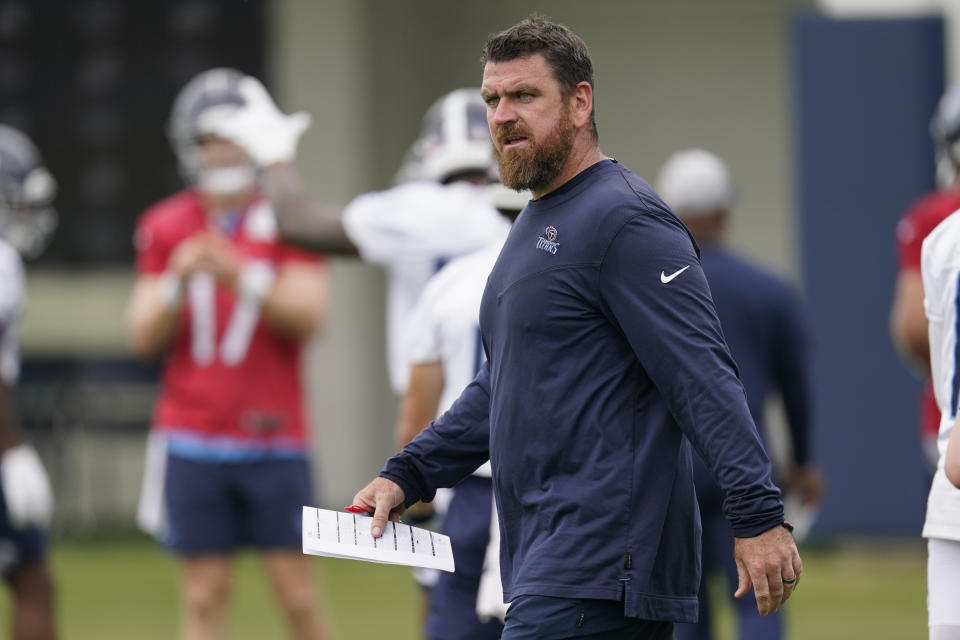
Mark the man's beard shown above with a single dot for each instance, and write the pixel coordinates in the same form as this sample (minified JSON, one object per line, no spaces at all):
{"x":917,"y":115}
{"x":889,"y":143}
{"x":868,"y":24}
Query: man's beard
{"x":536,"y":166}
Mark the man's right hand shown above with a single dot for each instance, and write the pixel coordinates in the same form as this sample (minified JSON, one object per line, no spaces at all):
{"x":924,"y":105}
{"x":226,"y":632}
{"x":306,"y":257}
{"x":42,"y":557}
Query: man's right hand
{"x":385,"y":498}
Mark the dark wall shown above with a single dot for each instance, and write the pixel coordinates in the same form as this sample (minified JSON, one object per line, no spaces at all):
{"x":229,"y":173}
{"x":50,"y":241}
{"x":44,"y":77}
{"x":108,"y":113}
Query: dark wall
{"x":865,"y":91}
{"x":92,"y":82}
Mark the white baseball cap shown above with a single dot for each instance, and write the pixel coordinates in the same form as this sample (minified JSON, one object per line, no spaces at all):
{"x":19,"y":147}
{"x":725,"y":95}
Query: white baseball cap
{"x":695,"y":183}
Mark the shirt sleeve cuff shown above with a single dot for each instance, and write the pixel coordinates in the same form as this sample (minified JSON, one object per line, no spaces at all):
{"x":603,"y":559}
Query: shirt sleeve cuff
{"x":398,"y":471}
{"x":754,"y":526}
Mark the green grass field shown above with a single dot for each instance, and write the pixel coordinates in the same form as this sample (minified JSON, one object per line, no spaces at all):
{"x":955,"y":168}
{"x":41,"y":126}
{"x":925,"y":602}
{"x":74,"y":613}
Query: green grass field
{"x":127,"y":590}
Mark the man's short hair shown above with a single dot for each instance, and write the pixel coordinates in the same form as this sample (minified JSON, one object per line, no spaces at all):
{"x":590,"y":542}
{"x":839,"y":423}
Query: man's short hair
{"x":564,"y":51}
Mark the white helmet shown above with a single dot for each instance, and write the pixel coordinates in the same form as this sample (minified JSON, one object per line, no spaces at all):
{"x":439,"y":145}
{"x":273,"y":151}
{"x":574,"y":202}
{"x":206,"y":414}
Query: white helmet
{"x":945,"y":132}
{"x":454,"y":138}
{"x":695,"y":182}
{"x":27,"y":190}
{"x":199,"y":103}
{"x":504,"y":198}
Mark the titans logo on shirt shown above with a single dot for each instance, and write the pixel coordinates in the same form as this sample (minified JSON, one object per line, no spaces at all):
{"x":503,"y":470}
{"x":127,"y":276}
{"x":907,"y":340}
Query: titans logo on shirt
{"x":548,"y":243}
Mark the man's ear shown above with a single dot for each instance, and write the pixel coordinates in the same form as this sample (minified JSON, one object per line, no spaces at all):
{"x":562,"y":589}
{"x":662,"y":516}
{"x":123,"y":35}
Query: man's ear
{"x":581,"y":103}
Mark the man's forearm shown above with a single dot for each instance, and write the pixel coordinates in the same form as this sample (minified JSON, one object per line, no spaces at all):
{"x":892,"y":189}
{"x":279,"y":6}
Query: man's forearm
{"x":296,"y":303}
{"x":301,"y":221}
{"x":9,"y":434}
{"x":152,"y":315}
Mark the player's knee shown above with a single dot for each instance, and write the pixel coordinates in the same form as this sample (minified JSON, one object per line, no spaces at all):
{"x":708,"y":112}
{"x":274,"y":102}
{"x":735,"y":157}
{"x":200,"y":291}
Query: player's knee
{"x":207,"y":598}
{"x":298,"y":600}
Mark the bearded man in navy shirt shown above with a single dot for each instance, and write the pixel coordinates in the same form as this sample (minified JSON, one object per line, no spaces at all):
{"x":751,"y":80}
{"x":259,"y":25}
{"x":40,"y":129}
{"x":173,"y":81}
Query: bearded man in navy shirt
{"x":605,"y":362}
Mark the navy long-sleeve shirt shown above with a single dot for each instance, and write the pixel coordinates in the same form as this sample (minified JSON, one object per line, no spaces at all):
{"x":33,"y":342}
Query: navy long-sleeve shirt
{"x":604,"y":350}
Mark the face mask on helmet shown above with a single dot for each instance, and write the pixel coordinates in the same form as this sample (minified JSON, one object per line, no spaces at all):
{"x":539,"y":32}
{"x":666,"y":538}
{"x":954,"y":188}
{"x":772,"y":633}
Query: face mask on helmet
{"x":225,"y":181}
{"x":454,"y":139}
{"x":208,"y":96}
{"x":27,"y":190}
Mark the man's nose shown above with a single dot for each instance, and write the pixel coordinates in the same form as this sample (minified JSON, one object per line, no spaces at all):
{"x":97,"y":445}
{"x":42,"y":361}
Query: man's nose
{"x":504,"y":112}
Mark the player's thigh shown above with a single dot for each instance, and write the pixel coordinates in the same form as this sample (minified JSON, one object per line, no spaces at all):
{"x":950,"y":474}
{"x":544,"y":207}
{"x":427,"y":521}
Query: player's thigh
{"x":943,"y":583}
{"x":273,"y":493}
{"x":201,"y":508}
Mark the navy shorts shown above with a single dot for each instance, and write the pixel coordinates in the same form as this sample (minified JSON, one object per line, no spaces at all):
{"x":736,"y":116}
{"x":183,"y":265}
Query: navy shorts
{"x":218,"y":507}
{"x":18,"y":547}
{"x":453,"y":604}
{"x":545,"y":618}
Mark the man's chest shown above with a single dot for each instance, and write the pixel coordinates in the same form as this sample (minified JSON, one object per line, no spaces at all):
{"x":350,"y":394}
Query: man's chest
{"x":544,"y":281}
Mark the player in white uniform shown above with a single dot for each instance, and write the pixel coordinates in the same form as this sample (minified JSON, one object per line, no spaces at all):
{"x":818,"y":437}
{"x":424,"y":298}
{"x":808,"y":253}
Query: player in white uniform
{"x":26,"y":500}
{"x":940,"y":269}
{"x":445,"y":353}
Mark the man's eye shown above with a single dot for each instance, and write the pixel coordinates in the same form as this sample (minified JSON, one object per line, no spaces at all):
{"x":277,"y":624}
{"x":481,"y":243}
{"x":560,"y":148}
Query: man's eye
{"x":492,"y":101}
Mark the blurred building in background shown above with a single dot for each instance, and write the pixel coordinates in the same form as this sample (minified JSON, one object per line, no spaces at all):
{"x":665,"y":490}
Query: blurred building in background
{"x":92,"y":81}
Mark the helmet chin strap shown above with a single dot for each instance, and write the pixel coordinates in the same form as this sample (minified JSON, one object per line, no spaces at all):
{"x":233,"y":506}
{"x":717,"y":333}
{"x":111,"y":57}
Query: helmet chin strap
{"x":227,"y":181}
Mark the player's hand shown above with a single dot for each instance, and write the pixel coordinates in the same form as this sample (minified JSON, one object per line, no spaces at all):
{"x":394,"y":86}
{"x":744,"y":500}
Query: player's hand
{"x":385,"y":498}
{"x":268,"y":135}
{"x":808,"y":483}
{"x":187,"y":257}
{"x":420,"y":512}
{"x":26,"y":487}
{"x":220,"y":258}
{"x":765,"y":561}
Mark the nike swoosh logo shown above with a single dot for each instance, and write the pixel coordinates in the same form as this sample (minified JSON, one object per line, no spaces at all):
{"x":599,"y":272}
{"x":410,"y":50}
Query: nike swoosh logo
{"x":664,"y":278}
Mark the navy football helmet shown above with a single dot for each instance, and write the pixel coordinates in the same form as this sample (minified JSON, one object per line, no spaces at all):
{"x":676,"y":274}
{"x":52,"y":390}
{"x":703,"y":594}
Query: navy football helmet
{"x":207,"y":95}
{"x":27,"y":190}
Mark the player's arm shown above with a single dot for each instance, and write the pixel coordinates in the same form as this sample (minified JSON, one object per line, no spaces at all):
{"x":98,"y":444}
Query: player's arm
{"x":9,"y":434}
{"x":418,"y":408}
{"x":155,"y":302}
{"x":908,"y":323}
{"x":302,"y":221}
{"x":296,"y":304}
{"x":152,"y":314}
{"x":952,"y":459}
{"x":443,"y":454}
{"x":792,"y":371}
{"x":270,"y":137}
{"x":420,"y":403}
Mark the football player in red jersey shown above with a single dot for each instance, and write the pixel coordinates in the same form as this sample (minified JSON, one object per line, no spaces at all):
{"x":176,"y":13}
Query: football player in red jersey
{"x":908,"y":324}
{"x":230,"y":306}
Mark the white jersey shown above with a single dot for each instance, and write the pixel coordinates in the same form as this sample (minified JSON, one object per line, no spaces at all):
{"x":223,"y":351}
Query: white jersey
{"x":11,"y":307}
{"x":445,"y":324}
{"x":413,"y":230}
{"x":940,"y":268}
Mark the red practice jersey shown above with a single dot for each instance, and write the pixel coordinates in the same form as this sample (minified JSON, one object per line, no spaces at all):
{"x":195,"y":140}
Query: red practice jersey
{"x":921,"y":218}
{"x":231,"y":386}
